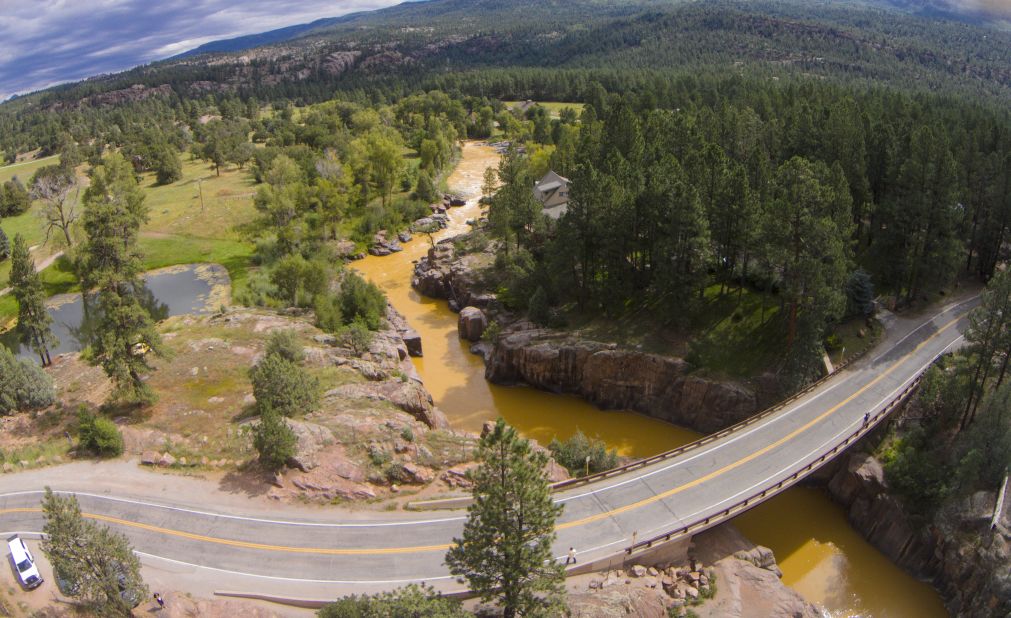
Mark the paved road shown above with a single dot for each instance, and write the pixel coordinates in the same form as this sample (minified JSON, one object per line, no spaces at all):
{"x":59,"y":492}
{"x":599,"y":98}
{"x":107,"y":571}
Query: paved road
{"x":251,"y":546}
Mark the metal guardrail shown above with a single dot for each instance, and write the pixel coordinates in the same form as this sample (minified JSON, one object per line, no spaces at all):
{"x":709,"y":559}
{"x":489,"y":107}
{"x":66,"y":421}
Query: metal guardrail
{"x":790,"y":481}
{"x":464,"y":501}
{"x":751,"y":420}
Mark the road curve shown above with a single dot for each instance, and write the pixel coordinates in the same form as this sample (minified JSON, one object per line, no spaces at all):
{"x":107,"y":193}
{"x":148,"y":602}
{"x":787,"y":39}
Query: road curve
{"x":325,"y":552}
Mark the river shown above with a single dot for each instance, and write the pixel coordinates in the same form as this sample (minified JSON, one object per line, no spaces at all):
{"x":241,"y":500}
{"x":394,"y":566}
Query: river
{"x":820,"y":554}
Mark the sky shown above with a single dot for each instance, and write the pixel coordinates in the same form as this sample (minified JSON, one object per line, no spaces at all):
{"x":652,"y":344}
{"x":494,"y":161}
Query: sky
{"x":47,"y":42}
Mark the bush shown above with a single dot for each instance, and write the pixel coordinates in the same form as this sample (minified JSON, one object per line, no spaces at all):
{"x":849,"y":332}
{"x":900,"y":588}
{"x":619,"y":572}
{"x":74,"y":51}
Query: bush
{"x":5,"y":246}
{"x":23,"y":384}
{"x":284,"y":387}
{"x":14,"y":198}
{"x":537,"y":308}
{"x":357,"y":337}
{"x":98,"y":435}
{"x":259,"y":292}
{"x":573,"y":452}
{"x":285,"y":344}
{"x":413,"y":601}
{"x":360,"y":299}
{"x":328,"y":313}
{"x":167,"y":166}
{"x":274,"y":440}
{"x":298,"y":281}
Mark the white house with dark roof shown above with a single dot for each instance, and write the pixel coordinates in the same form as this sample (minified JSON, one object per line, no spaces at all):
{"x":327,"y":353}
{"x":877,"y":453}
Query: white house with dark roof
{"x":552,"y":191}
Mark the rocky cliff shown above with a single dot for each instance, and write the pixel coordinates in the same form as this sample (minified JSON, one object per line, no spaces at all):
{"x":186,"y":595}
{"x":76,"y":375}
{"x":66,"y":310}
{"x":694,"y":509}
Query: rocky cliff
{"x":664,"y":387}
{"x":957,"y":552}
{"x":613,"y":378}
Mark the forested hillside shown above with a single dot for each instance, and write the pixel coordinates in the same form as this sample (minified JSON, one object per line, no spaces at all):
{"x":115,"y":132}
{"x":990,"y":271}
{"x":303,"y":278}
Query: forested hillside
{"x":384,"y":55}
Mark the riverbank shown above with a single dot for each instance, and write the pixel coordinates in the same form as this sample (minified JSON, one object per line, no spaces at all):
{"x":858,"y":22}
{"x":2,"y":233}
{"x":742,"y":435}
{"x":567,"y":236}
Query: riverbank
{"x":821,"y":555}
{"x":964,"y":550}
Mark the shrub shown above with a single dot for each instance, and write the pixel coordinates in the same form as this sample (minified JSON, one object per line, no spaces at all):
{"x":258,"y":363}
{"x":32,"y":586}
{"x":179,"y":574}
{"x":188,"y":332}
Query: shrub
{"x":537,"y":308}
{"x":298,"y":281}
{"x":357,"y":337}
{"x":273,"y":439}
{"x":328,"y":313}
{"x":414,"y":601}
{"x":5,"y":246}
{"x":259,"y":292}
{"x":573,"y":452}
{"x":285,"y":344}
{"x":23,"y":384}
{"x":98,"y":435}
{"x":360,"y":299}
{"x":284,"y":387}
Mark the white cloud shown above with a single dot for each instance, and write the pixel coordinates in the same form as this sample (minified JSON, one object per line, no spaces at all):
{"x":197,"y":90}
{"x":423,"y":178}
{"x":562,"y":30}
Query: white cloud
{"x":51,"y":41}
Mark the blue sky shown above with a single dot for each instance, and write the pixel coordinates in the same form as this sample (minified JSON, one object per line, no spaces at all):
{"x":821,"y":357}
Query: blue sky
{"x":46,"y":42}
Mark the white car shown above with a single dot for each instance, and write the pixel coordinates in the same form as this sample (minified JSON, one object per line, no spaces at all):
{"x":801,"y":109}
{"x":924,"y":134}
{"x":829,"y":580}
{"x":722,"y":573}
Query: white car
{"x":24,"y":563}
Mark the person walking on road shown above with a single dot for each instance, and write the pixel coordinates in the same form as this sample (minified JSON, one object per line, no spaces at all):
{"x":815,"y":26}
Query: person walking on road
{"x":571,"y":557}
{"x":161,"y":601}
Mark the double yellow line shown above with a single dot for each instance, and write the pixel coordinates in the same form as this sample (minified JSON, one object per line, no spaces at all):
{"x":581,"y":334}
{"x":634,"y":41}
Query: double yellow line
{"x":571,"y":524}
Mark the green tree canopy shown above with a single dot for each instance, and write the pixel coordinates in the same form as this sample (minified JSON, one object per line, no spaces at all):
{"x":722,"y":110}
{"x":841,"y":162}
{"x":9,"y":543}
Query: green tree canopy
{"x":505,"y":551}
{"x":97,"y":564}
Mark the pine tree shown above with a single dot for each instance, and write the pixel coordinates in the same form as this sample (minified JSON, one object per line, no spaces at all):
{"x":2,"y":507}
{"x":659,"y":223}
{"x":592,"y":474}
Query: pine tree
{"x":5,"y":246}
{"x":98,"y":564}
{"x":505,"y":553}
{"x":124,"y":334}
{"x":33,"y":319}
{"x":273,"y":439}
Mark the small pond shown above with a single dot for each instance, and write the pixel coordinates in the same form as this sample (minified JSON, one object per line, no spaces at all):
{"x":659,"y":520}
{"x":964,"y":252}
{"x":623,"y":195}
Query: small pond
{"x":177,"y":290}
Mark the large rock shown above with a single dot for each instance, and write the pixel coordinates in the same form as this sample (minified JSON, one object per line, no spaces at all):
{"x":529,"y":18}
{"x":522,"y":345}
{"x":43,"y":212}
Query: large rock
{"x":957,"y":551}
{"x":613,"y":378}
{"x":409,"y":396}
{"x":471,"y":323}
{"x":311,"y":439}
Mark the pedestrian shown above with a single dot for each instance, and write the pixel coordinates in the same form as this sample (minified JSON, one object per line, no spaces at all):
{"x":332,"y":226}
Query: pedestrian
{"x":161,"y":601}
{"x":867,"y":419}
{"x":571,"y":557}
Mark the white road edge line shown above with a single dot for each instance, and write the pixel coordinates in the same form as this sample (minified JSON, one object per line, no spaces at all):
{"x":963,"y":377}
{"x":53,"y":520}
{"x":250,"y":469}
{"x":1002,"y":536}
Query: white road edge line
{"x":782,"y":414}
{"x":679,"y":462}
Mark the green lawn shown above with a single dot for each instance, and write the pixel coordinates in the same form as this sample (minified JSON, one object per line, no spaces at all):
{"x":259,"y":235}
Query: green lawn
{"x":179,"y":230}
{"x":26,"y":169}
{"x":553,"y":107}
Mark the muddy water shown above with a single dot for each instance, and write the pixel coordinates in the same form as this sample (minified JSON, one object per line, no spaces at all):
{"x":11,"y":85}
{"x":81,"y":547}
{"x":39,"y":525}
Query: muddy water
{"x":821,"y":556}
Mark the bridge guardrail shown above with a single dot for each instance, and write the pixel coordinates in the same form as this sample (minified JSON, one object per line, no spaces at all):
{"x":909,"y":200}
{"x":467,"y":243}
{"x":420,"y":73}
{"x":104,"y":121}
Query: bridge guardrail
{"x":464,"y":501}
{"x":641,"y":463}
{"x":782,"y":485}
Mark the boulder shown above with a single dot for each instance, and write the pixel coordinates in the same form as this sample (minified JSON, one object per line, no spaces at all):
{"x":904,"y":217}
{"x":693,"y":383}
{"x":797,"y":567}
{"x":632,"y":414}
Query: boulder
{"x":412,"y":339}
{"x":404,"y":237}
{"x":149,"y":458}
{"x":166,"y":460}
{"x":311,"y":439}
{"x":637,"y":571}
{"x":471,"y":323}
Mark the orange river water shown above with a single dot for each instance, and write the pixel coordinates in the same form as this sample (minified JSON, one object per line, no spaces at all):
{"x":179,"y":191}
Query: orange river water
{"x":821,"y":556}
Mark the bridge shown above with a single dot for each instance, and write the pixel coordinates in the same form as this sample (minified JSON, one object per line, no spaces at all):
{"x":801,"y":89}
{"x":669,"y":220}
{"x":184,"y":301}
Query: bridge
{"x":645,"y":507}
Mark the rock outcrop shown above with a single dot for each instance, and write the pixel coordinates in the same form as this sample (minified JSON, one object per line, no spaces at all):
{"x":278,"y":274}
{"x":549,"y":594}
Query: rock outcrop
{"x":728,"y":576}
{"x":613,"y":378}
{"x":443,"y":274}
{"x":471,"y":324}
{"x":664,"y":387}
{"x":958,"y":552}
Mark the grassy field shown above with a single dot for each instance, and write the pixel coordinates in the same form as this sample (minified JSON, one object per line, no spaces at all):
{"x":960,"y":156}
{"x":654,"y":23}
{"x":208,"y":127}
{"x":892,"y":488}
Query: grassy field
{"x":25,"y":170}
{"x":553,"y":107}
{"x":181,"y":230}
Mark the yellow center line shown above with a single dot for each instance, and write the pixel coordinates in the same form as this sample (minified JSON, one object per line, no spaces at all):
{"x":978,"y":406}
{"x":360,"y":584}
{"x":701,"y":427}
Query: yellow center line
{"x":759,"y":452}
{"x":246,"y":544}
{"x":563,"y":526}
